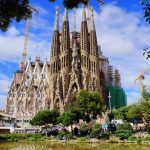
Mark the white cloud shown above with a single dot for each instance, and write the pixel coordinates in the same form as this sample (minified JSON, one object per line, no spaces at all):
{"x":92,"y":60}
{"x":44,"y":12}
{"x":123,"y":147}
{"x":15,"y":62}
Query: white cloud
{"x":11,"y":45}
{"x":133,"y":97}
{"x":2,"y":101}
{"x":120,"y":32}
{"x":4,"y":83}
{"x":12,"y":42}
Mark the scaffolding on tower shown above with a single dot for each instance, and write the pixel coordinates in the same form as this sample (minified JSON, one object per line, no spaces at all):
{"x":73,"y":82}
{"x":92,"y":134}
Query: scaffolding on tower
{"x":118,"y":97}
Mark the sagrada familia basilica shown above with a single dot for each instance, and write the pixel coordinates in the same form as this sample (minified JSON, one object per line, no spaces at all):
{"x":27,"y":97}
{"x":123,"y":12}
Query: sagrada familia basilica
{"x":76,"y":63}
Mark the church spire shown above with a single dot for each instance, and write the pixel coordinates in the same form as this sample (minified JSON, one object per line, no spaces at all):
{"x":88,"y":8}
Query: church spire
{"x":83,"y":13}
{"x":56,"y":25}
{"x":89,"y":16}
{"x":92,"y":23}
{"x":55,"y":47}
{"x":84,"y":40}
{"x":93,"y":37}
{"x":65,"y":45}
{"x":24,"y":52}
{"x":66,"y":15}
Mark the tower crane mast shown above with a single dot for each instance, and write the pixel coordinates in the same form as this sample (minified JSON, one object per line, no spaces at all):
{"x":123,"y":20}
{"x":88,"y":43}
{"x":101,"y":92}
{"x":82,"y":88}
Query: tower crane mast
{"x":24,"y":52}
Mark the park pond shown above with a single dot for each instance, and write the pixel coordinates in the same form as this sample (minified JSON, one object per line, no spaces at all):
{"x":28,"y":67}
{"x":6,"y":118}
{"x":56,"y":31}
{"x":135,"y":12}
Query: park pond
{"x":56,"y":146}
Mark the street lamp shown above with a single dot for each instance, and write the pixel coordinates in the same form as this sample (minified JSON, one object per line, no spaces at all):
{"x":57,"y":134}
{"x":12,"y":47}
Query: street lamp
{"x":109,"y":97}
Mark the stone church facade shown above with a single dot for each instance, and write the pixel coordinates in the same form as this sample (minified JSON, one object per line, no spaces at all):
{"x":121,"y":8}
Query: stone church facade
{"x":76,"y":63}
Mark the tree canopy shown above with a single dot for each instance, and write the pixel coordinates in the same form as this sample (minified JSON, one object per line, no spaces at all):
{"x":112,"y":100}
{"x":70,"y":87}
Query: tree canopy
{"x":139,"y":111}
{"x":89,"y":104}
{"x":67,"y":118}
{"x":13,"y":9}
{"x":146,"y":7}
{"x":45,"y":117}
{"x":21,"y":9}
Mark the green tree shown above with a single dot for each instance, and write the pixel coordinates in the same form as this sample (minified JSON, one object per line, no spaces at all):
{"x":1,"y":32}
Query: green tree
{"x":44,"y":118}
{"x":84,"y":128}
{"x":127,"y":113}
{"x":90,"y":105}
{"x":95,"y":130}
{"x":139,"y":111}
{"x":67,"y":119}
{"x":146,"y":7}
{"x":124,"y":131}
{"x":70,"y":117}
{"x":13,"y":9}
{"x":145,"y":110}
{"x":121,"y":113}
{"x":134,"y":112}
{"x":146,"y":95}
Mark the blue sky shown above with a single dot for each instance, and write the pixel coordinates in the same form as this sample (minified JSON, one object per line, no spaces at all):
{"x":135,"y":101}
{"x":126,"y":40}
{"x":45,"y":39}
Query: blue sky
{"x":121,"y":31}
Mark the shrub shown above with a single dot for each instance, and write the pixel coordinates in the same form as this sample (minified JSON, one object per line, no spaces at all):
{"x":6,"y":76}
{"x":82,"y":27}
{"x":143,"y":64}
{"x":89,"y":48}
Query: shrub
{"x":14,"y":137}
{"x":105,"y":136}
{"x":132,"y":138}
{"x":84,"y":129}
{"x":3,"y":137}
{"x":124,"y":131}
{"x":135,"y":138}
{"x":37,"y":137}
{"x":83,"y":140}
{"x":125,"y":126}
{"x":63,"y":135}
{"x":96,"y":129}
{"x":123,"y":134}
{"x":147,"y":138}
{"x":139,"y":138}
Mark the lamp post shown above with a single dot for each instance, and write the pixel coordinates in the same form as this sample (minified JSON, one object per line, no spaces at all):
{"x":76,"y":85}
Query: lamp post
{"x":109,"y":97}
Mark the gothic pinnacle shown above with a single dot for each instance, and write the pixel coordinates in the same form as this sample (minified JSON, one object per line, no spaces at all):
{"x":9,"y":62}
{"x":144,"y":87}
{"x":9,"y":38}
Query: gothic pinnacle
{"x":56,"y":26}
{"x":92,"y":25}
{"x":66,"y":15}
{"x":83,"y":13}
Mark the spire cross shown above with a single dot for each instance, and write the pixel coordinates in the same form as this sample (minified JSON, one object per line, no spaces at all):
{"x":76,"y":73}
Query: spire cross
{"x":57,"y":9}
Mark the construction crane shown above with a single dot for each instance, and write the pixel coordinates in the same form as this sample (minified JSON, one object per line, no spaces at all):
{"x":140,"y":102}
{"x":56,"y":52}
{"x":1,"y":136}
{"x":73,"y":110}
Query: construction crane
{"x":26,"y":33}
{"x":140,"y":78}
{"x":24,"y":52}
